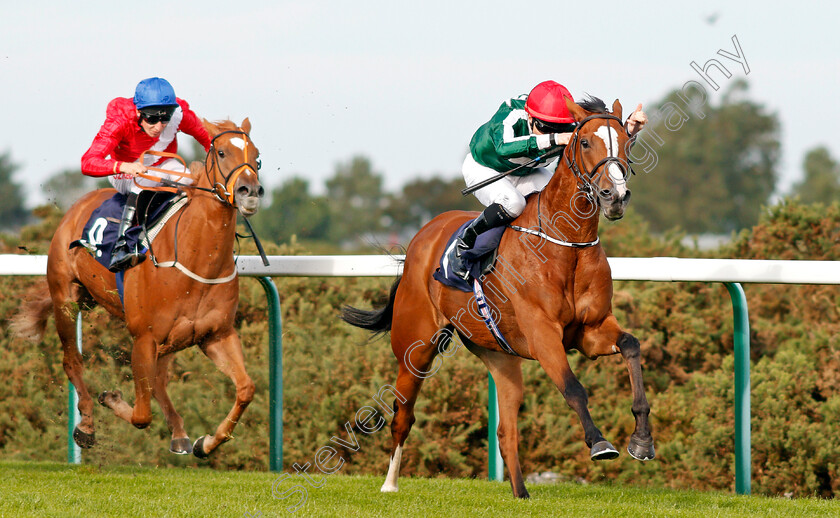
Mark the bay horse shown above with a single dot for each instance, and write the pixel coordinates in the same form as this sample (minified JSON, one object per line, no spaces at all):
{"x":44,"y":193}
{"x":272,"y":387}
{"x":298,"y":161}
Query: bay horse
{"x":550,"y":291}
{"x":165,"y":309}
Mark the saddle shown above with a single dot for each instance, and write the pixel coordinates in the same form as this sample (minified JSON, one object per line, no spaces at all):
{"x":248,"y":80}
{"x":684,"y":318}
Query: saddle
{"x":101,"y":231}
{"x":479,"y":260}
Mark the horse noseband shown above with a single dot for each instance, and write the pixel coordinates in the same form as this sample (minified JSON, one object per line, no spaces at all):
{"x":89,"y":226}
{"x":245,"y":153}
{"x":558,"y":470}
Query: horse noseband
{"x":225,"y":191}
{"x":585,"y":181}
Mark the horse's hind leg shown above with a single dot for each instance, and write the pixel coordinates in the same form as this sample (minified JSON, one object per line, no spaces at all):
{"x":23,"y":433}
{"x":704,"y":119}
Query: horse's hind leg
{"x":415,"y":343}
{"x":226,"y":353}
{"x":507,"y":374}
{"x":65,"y":310}
{"x":180,"y":443}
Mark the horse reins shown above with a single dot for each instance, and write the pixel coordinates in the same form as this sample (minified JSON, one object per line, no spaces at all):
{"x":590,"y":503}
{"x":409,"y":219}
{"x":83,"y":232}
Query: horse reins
{"x":584,"y":183}
{"x":223,"y":192}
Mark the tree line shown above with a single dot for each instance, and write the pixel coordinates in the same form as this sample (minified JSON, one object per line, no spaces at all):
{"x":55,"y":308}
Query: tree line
{"x":713,"y":174}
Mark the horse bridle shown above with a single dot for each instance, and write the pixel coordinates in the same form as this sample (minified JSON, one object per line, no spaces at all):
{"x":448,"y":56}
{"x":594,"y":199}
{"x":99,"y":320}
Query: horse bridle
{"x":585,"y":181}
{"x":224,"y":191}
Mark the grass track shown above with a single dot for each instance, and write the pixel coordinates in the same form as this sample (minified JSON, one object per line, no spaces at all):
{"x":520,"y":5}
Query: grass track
{"x":60,"y":490}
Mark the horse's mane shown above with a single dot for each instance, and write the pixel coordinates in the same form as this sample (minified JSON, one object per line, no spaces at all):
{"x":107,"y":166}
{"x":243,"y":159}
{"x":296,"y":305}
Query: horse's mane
{"x":593,"y":105}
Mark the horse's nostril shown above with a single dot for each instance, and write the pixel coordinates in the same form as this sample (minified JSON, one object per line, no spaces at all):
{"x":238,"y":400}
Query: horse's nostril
{"x":242,"y":191}
{"x":627,"y":196}
{"x":261,"y":192}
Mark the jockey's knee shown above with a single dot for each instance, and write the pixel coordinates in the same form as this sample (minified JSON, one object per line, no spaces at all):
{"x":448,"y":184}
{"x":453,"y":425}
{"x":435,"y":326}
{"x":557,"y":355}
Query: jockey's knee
{"x":513,"y":205}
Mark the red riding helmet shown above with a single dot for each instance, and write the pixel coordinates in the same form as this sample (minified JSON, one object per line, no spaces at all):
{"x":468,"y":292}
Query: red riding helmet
{"x":546,"y":103}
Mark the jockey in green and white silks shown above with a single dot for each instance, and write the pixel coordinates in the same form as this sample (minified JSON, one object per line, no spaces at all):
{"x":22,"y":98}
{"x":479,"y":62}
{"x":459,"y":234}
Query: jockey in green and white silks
{"x":504,"y":143}
{"x":521,"y":130}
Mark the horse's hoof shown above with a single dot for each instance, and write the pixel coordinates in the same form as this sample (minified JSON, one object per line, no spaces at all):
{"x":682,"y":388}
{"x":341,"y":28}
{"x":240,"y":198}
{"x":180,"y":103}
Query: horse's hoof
{"x":109,"y":397}
{"x":641,"y":450}
{"x":603,"y":450}
{"x":84,"y":440}
{"x":524,"y":495}
{"x":181,"y":446}
{"x":198,"y":448}
{"x":388,"y":488}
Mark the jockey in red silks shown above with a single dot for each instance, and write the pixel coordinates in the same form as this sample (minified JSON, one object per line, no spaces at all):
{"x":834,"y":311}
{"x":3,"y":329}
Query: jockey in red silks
{"x":521,"y":130}
{"x":149,"y":121}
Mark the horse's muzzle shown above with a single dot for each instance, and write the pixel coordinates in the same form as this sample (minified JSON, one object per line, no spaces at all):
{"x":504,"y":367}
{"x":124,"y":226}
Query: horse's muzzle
{"x":248,"y":199}
{"x":614,"y":206}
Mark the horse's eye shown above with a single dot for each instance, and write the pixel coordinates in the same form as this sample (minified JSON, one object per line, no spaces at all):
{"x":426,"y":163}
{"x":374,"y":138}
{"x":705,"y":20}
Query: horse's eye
{"x":584,"y":143}
{"x":259,"y":163}
{"x":221,"y":153}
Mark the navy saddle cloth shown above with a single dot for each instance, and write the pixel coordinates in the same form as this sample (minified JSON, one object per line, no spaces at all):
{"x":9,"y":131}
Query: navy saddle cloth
{"x":477,"y":260}
{"x":102,"y":229}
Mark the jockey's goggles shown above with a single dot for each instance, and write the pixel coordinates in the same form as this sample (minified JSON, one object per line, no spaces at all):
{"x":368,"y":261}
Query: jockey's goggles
{"x":156,"y":115}
{"x":553,"y":127}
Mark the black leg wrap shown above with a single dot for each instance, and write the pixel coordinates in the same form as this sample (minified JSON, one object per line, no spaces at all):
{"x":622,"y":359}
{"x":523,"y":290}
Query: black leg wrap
{"x":629,"y":346}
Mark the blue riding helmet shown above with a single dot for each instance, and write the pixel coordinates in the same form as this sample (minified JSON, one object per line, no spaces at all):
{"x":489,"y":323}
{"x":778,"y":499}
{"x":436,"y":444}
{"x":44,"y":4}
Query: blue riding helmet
{"x":154,"y":91}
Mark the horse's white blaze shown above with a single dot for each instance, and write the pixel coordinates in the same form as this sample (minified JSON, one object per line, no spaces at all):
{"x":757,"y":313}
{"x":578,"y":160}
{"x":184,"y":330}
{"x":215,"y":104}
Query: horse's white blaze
{"x":238,"y":142}
{"x":610,"y":138}
{"x":390,"y":485}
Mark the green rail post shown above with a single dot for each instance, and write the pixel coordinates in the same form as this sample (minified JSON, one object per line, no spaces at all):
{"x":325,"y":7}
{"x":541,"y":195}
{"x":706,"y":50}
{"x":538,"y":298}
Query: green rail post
{"x":743,"y":457}
{"x":74,"y":453}
{"x":275,"y":375}
{"x":495,"y":466}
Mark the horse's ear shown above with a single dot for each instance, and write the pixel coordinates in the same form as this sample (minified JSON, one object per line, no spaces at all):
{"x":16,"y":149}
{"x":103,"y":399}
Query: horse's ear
{"x":246,"y":125}
{"x":577,"y":112}
{"x":210,"y":127}
{"x":616,"y":109}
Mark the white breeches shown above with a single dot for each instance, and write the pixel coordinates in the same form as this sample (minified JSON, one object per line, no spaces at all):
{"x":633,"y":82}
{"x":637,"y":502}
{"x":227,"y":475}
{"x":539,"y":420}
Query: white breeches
{"x":510,"y":191}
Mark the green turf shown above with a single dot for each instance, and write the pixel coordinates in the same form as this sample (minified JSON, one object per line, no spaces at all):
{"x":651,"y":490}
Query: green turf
{"x":59,"y":490}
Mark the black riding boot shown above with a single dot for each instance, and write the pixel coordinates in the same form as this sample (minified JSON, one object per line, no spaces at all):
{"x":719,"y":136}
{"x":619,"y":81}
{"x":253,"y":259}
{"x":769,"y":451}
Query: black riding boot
{"x":493,"y":216}
{"x":121,"y":257}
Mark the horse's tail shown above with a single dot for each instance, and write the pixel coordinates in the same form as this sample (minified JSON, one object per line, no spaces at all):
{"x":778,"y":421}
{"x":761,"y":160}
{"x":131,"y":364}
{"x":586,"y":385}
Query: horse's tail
{"x":377,"y":320}
{"x":31,"y":321}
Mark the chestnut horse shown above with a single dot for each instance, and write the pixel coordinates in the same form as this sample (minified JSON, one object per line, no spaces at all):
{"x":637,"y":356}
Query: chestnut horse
{"x":166,"y":309}
{"x":550,"y":292}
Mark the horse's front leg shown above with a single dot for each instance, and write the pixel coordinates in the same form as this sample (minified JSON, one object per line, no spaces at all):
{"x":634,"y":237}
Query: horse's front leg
{"x":608,"y":338}
{"x":180,"y":443}
{"x":143,"y":366}
{"x":546,"y":343}
{"x":226,"y":353}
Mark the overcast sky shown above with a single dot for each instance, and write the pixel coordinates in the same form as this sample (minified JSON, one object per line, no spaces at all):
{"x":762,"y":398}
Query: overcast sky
{"x":403,"y":83}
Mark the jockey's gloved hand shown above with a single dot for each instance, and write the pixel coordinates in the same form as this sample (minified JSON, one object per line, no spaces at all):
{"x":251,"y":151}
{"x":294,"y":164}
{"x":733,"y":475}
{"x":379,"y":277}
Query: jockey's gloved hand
{"x":636,"y":121}
{"x":560,"y":139}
